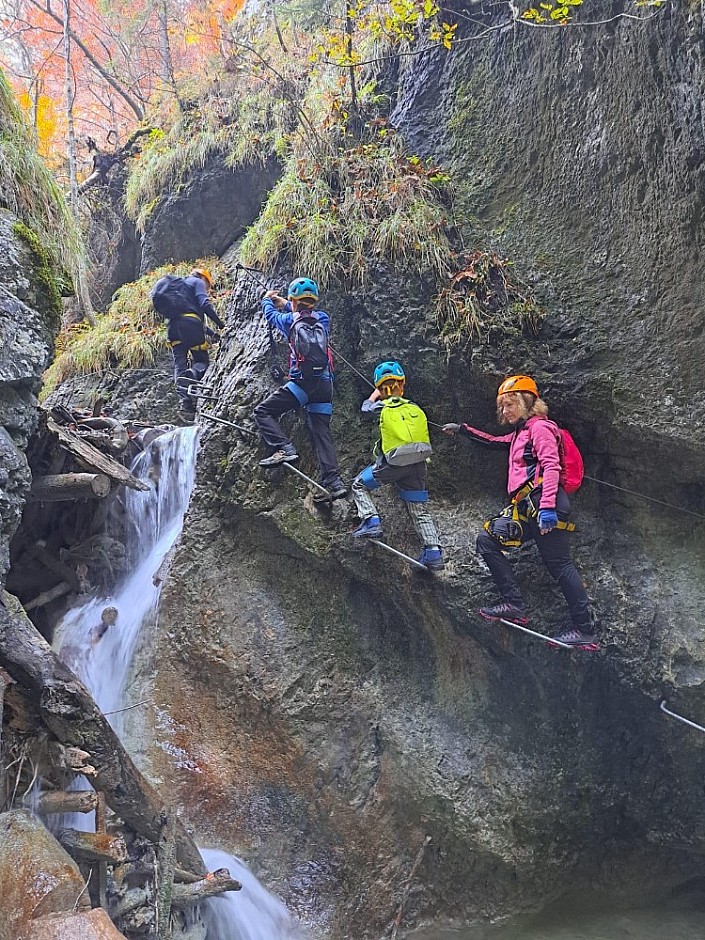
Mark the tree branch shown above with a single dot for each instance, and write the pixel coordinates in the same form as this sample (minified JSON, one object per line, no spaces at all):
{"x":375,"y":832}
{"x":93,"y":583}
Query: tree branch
{"x":113,"y":82}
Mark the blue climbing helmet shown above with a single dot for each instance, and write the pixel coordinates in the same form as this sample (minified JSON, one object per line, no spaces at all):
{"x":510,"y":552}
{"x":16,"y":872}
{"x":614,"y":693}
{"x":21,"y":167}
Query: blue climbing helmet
{"x":303,"y":288}
{"x":388,"y":371}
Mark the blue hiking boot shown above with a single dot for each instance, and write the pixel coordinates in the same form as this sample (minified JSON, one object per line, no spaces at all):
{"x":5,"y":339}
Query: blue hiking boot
{"x":369,"y":529}
{"x":432,"y":558}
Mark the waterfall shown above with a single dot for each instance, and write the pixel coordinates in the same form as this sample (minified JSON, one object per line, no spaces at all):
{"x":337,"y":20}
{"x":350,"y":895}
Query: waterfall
{"x":155,"y":520}
{"x":250,"y":914}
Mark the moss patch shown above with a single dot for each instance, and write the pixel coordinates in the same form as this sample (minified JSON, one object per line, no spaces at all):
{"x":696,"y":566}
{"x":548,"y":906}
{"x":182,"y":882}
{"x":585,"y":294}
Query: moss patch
{"x":45,"y":273}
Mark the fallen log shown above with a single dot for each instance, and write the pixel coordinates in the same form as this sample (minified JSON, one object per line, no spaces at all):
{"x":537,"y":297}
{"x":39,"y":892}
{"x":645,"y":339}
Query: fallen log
{"x":94,"y":846}
{"x":73,"y":759}
{"x":66,"y":801}
{"x":164,"y":877}
{"x":91,"y":458}
{"x":66,"y":708}
{"x":62,"y":487}
{"x":132,"y":900}
{"x":60,"y":568}
{"x":184,"y":896}
{"x":46,"y":597}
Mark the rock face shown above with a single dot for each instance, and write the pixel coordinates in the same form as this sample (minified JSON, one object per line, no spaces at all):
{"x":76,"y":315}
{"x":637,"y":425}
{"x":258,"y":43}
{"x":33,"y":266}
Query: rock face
{"x":37,"y":877}
{"x":208,"y":213}
{"x":348,"y":709}
{"x":26,"y":341}
{"x":112,"y":240}
{"x":93,"y":925}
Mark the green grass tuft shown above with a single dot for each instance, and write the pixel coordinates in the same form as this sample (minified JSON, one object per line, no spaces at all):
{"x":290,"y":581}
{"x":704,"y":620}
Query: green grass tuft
{"x":483,"y":304}
{"x":28,"y":190}
{"x":334,"y":214}
{"x":242,"y":126}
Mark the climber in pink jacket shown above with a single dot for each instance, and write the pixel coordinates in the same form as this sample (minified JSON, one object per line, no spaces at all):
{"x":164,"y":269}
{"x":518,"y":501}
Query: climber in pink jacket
{"x":539,"y":511}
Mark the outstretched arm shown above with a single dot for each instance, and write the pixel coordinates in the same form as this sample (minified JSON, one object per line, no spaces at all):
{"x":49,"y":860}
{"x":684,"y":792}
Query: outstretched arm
{"x":204,"y":305}
{"x":482,"y":437}
{"x":277,"y":312}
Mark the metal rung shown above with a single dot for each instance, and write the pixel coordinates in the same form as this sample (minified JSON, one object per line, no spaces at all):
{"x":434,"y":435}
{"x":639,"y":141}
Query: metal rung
{"x":541,"y":636}
{"x":303,"y":476}
{"x":412,"y":561}
{"x":686,"y":721}
{"x":230,"y":424}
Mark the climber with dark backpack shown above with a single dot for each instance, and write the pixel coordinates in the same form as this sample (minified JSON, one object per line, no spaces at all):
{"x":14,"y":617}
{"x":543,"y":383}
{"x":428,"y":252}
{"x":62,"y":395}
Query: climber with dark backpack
{"x":310,"y":384}
{"x":184,"y":303}
{"x":401,"y":455}
{"x":545,"y":466}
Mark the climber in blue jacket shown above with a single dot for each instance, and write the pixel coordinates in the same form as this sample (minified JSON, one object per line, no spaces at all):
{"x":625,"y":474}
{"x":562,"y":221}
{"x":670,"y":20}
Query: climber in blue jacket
{"x":310,"y":384}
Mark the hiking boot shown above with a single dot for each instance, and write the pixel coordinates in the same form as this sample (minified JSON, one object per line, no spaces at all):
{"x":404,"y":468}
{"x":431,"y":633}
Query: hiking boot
{"x":432,"y":558}
{"x":287,"y":454}
{"x":505,"y":611}
{"x":337,"y":489}
{"x":369,"y":529}
{"x":579,"y":640}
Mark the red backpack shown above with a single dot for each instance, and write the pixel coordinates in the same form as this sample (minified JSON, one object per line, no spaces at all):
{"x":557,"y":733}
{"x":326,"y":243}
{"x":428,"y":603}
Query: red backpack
{"x":572,"y":466}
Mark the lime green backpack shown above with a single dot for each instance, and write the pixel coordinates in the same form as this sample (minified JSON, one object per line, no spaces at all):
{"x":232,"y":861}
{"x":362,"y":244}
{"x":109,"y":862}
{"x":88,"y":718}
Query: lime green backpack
{"x":404,"y":430}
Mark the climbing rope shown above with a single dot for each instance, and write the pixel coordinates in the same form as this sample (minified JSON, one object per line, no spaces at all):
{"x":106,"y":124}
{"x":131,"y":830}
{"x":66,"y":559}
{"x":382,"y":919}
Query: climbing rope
{"x":650,"y":499}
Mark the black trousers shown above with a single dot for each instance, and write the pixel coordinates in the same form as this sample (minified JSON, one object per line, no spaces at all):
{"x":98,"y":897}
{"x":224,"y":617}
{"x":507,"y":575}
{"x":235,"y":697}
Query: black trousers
{"x":267,"y":414}
{"x":554,"y":549}
{"x":186,"y":333}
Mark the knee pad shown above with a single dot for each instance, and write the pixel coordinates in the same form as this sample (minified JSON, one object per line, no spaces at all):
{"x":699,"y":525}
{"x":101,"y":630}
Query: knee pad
{"x":367,"y":479}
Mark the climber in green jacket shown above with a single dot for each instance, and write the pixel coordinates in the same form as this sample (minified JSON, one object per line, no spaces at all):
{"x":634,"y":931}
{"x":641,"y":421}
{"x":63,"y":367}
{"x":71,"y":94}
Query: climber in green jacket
{"x":401,"y":459}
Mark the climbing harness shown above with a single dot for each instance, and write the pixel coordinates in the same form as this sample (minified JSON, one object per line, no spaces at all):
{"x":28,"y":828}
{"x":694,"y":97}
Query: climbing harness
{"x":686,"y":721}
{"x":507,"y":526}
{"x":230,"y":424}
{"x":407,"y":558}
{"x":308,"y":479}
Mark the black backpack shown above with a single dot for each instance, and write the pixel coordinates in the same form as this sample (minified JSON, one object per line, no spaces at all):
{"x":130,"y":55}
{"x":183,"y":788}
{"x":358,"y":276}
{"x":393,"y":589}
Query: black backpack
{"x":171,"y":296}
{"x":309,"y":345}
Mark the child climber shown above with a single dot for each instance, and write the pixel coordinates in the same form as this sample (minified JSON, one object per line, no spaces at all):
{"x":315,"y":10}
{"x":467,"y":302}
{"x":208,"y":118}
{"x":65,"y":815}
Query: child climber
{"x":310,"y":384}
{"x":401,"y":460}
{"x":539,"y":511}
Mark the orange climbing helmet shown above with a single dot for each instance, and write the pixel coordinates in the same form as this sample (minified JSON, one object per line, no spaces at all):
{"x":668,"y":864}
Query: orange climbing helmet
{"x":519,"y":383}
{"x":202,"y":272}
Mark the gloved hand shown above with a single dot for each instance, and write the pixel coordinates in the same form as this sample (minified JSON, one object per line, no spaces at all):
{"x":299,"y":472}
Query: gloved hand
{"x":451,"y":428}
{"x":215,"y":337}
{"x":548,"y":520}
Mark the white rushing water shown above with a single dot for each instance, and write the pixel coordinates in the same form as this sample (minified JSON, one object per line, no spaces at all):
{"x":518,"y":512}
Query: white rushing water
{"x":155,"y":520}
{"x":250,"y":914}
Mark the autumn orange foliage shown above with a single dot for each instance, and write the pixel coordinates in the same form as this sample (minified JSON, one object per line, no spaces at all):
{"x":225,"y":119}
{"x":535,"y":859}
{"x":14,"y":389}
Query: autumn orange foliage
{"x":147,"y":49}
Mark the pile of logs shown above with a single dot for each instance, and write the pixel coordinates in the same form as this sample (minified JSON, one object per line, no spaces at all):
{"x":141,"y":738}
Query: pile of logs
{"x":141,"y":863}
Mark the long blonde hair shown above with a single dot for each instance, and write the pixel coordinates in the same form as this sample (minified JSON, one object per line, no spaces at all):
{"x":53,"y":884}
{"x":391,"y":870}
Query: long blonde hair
{"x":531,"y":406}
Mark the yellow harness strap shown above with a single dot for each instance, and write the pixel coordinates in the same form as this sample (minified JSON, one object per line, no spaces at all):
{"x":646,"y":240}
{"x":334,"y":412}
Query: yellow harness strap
{"x":524,"y":493}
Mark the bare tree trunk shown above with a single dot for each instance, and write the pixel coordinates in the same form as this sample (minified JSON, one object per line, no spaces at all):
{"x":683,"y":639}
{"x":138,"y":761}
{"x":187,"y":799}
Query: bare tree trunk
{"x":349,"y":49}
{"x":83,"y":293}
{"x":111,"y":80}
{"x":167,"y":63}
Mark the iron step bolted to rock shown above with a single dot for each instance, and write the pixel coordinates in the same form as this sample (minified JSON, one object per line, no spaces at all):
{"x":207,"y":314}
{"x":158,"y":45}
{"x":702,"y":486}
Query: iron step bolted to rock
{"x":588,"y":647}
{"x":195,"y":389}
{"x":416,"y":565}
{"x":325,"y":495}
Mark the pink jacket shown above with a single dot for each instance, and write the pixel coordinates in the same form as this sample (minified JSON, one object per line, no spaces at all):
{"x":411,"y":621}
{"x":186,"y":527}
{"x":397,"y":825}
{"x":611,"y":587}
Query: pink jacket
{"x":534,"y":451}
